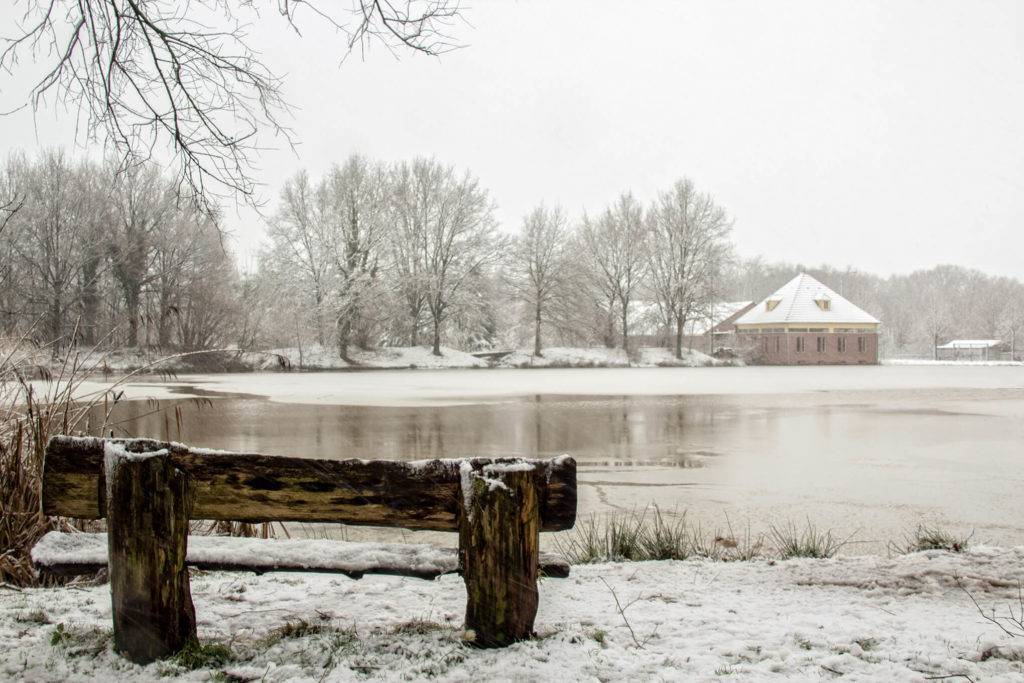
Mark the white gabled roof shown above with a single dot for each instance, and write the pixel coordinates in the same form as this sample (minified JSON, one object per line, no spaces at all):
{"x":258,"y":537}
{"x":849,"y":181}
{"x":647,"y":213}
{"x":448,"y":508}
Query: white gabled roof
{"x":971,"y":344}
{"x":797,"y":304}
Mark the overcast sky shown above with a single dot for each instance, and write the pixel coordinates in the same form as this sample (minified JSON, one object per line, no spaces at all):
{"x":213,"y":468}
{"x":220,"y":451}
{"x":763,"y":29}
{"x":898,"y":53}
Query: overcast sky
{"x":888,"y":136}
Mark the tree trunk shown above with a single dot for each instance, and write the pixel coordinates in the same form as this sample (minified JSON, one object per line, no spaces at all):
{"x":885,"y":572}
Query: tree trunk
{"x":148,"y":506}
{"x":536,"y":332}
{"x":318,"y":295}
{"x":499,"y":551}
{"x":625,"y":325}
{"x":414,"y":332}
{"x":344,"y":332}
{"x":437,"y":337}
{"x":57,"y":322}
{"x":680,"y":324}
{"x":90,"y":302}
{"x":132,"y":304}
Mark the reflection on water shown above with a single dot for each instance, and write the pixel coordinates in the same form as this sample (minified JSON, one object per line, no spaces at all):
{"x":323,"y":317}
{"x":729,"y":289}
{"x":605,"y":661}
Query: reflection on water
{"x":877,"y":463}
{"x":605,"y":432}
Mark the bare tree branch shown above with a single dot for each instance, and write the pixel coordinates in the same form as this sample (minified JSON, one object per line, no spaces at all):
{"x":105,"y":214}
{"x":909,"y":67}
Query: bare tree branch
{"x":149,"y":77}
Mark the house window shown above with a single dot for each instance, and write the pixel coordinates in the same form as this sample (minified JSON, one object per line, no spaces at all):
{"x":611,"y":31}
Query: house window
{"x":841,"y":344}
{"x":821,"y":345}
{"x":799,"y":344}
{"x":764,"y":341}
{"x":777,"y":344}
{"x":824,"y":304}
{"x":862,"y":344}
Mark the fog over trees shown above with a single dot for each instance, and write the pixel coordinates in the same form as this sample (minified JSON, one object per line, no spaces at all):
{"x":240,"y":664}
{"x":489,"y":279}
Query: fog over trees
{"x":373,"y":254}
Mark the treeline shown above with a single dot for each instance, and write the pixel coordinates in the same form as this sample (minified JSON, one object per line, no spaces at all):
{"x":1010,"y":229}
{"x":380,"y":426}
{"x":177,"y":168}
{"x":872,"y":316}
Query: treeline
{"x":92,"y":257}
{"x":373,"y":254}
{"x":402,"y":253}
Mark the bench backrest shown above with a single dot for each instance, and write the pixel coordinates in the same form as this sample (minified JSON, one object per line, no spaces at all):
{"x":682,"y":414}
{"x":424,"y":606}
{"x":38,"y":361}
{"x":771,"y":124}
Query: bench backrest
{"x":246,"y":487}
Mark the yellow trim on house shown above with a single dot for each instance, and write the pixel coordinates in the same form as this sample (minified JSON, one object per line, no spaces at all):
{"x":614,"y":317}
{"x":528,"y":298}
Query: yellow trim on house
{"x":827,"y":327}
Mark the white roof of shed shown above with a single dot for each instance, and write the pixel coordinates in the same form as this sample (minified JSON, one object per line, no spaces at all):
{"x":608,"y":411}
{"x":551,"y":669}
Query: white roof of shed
{"x":797,"y":304}
{"x":971,"y":344}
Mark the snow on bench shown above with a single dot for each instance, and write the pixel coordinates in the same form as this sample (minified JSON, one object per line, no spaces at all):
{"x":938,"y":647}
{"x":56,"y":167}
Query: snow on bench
{"x":74,"y":554}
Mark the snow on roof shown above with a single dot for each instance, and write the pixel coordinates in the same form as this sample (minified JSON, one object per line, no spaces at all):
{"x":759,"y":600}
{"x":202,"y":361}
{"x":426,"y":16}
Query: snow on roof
{"x":798,"y":302}
{"x":971,"y":344}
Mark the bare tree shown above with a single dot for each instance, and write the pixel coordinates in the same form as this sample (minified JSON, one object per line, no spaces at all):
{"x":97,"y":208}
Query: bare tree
{"x":353,"y":201}
{"x":687,"y":246}
{"x":142,"y":206}
{"x":538,"y":264}
{"x":445,"y":241}
{"x":48,"y":240}
{"x":151,"y":74}
{"x":298,"y":244}
{"x":614,"y":245}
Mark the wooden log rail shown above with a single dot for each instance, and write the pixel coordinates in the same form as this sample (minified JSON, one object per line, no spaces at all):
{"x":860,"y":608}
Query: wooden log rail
{"x":240,"y":487}
{"x":149,"y":490}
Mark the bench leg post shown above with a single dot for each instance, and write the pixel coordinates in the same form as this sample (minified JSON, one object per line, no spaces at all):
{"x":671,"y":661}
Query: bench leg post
{"x":499,"y":553}
{"x":148,"y":504}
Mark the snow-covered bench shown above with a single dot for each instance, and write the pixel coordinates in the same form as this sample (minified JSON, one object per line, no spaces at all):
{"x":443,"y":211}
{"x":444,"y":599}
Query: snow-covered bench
{"x":149,"y":490}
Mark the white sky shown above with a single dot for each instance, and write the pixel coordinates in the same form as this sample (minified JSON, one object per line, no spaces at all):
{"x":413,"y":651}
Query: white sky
{"x":888,"y":136}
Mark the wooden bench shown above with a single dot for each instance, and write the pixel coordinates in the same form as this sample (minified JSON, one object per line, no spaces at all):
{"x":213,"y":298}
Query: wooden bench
{"x":149,"y":490}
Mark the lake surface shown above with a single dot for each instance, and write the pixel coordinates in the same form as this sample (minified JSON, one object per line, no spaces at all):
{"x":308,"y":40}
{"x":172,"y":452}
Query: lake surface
{"x":866,"y":451}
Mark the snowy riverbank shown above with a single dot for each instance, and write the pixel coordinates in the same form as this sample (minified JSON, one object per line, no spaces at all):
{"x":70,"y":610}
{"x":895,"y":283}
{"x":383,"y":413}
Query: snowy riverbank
{"x":151,"y":361}
{"x":929,"y":361}
{"x":870,"y":618}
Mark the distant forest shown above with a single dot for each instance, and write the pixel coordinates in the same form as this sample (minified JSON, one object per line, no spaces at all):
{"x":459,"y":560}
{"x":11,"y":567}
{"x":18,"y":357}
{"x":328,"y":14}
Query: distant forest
{"x":375,"y":254}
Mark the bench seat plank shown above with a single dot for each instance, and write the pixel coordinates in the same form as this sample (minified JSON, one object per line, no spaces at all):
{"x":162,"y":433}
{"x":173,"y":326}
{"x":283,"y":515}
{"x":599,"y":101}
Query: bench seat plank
{"x":249,"y":487}
{"x":74,"y":554}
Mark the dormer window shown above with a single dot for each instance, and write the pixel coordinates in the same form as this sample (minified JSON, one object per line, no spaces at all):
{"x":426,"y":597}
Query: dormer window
{"x":770,"y":304}
{"x":824,"y":303}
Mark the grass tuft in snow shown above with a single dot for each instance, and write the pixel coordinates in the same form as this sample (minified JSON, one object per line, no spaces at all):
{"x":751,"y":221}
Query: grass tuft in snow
{"x":79,"y":641}
{"x":631,"y":536}
{"x":932,"y":538}
{"x":651,"y":534}
{"x":33,"y":617}
{"x":300,"y":628}
{"x":810,"y":542}
{"x":200,"y":655}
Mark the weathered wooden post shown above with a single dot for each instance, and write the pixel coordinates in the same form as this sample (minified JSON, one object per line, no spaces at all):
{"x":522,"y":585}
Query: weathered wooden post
{"x":499,"y":552}
{"x":148,"y":502}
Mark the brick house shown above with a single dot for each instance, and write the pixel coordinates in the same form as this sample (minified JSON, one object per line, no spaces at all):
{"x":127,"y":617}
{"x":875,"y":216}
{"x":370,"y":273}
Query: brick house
{"x":806,"y":323}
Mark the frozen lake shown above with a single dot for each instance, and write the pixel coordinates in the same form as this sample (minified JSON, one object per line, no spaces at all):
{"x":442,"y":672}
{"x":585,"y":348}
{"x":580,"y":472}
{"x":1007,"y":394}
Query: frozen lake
{"x":871,"y":450}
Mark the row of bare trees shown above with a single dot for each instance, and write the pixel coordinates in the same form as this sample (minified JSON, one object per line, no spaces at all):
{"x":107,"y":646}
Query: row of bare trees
{"x":90,"y":256}
{"x":373,"y":253}
{"x":590,"y":279}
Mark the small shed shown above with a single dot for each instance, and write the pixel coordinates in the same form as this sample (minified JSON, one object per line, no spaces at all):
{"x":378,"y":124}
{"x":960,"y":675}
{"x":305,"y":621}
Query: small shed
{"x":969,"y":349}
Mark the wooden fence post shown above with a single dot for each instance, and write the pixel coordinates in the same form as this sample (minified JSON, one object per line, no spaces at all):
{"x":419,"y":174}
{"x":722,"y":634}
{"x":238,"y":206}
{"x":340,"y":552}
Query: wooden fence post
{"x":148,"y":502}
{"x":499,"y":552}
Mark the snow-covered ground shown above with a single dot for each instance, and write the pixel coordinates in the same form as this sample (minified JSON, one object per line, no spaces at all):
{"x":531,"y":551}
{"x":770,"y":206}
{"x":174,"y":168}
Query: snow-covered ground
{"x":321,"y":358}
{"x":929,"y":361}
{"x":601,"y":357}
{"x":865,"y":618}
{"x":567,"y":357}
